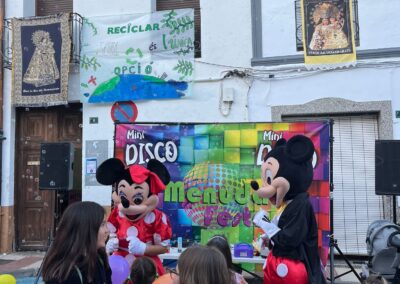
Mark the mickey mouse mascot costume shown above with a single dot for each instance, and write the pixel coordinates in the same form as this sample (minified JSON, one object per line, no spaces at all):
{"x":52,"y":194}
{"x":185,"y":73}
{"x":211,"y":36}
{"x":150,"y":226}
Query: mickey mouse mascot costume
{"x":293,"y":235}
{"x":136,"y":227}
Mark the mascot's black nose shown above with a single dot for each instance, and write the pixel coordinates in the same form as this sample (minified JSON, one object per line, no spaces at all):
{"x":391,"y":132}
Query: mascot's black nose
{"x":254,"y":185}
{"x":125,"y":202}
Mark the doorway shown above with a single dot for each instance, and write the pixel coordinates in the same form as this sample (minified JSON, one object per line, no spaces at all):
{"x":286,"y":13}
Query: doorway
{"x":37,"y":211}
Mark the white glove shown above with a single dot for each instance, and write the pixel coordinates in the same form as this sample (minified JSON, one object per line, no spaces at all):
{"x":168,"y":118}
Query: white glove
{"x":136,"y":246}
{"x":261,"y":220}
{"x":261,"y":243}
{"x":112,"y":244}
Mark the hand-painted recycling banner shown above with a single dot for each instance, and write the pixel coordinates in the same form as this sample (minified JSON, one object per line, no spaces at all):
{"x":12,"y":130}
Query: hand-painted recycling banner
{"x":137,"y":57}
{"x":328,"y":33}
{"x":211,"y":167}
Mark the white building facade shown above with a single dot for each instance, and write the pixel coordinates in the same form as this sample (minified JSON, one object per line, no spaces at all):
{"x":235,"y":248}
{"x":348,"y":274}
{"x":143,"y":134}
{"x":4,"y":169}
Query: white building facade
{"x":257,"y":39}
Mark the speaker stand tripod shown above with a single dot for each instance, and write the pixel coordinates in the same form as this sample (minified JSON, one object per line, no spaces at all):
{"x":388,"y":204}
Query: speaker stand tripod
{"x":332,"y":241}
{"x":394,"y":206}
{"x":332,"y":246}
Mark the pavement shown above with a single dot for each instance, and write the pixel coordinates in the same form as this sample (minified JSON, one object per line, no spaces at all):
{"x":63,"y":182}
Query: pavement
{"x":21,"y":264}
{"x":25,"y":266}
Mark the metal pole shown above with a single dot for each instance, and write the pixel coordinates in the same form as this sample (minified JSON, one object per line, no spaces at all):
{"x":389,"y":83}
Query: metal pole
{"x":331,"y":237}
{"x":394,"y":209}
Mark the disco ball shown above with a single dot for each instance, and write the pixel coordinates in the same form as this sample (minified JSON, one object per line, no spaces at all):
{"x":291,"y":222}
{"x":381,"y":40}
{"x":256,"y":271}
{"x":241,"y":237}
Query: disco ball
{"x":217,"y":177}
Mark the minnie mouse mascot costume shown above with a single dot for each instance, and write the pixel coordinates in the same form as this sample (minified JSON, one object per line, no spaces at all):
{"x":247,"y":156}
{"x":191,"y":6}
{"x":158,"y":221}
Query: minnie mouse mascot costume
{"x":137,"y":228}
{"x":287,"y":173}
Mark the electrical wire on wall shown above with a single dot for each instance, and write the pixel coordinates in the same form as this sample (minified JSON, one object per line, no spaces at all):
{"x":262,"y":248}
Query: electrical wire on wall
{"x":269,"y":74}
{"x":292,"y":71}
{"x":226,"y":95}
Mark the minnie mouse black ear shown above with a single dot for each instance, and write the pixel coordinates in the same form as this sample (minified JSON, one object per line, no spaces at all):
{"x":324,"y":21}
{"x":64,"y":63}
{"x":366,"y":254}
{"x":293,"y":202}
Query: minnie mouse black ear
{"x":299,"y":149}
{"x":160,"y":170}
{"x":110,"y":171}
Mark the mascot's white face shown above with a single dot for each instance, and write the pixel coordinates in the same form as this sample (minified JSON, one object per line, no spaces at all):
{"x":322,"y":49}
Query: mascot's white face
{"x":136,"y":186}
{"x":287,"y":170}
{"x":274,"y":188}
{"x":135,"y":201}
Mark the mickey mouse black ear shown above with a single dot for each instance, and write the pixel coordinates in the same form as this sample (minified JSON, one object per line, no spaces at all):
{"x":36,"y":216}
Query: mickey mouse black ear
{"x":110,"y":171}
{"x":280,"y":142}
{"x":299,"y":148}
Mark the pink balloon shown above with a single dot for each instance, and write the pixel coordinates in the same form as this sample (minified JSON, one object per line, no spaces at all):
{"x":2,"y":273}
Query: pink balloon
{"x":120,"y":269}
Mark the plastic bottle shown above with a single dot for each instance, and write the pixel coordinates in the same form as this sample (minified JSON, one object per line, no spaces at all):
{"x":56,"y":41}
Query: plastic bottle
{"x":179,"y":244}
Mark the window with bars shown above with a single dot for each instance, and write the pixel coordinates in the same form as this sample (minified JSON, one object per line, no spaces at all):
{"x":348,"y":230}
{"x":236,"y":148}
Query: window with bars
{"x":299,"y":25}
{"x":355,"y":204}
{"x":182,"y":4}
{"x":51,"y":7}
{"x":47,"y":8}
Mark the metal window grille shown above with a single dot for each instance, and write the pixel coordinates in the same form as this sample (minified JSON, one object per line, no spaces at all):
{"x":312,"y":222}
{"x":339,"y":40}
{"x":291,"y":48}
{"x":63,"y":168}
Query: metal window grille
{"x":299,"y":25}
{"x":75,"y":22}
{"x":51,"y":7}
{"x":355,"y":204}
{"x":7,"y":50}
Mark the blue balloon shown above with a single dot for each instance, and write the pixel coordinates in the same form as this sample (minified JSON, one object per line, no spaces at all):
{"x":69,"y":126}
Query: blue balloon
{"x":120,"y":269}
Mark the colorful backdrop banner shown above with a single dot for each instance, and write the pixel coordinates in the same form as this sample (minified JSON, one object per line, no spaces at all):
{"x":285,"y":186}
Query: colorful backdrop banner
{"x":41,"y":52}
{"x":328,"y":38}
{"x":137,"y":57}
{"x":211,"y":167}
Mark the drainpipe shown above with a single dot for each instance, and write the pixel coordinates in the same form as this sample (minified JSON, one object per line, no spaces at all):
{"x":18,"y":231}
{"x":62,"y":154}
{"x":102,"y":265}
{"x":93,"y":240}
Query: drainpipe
{"x":2,"y":8}
{"x":2,"y":12}
{"x":1,"y":158}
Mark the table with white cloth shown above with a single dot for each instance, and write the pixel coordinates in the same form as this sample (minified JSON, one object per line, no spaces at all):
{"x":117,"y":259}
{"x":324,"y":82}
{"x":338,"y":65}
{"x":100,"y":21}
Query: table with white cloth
{"x":173,"y":256}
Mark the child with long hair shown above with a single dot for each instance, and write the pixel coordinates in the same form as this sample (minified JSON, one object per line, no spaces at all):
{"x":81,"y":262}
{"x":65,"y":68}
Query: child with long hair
{"x":201,"y":265}
{"x":221,"y":243}
{"x":77,"y":254}
{"x":143,"y":271}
